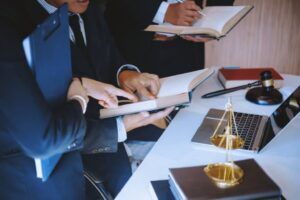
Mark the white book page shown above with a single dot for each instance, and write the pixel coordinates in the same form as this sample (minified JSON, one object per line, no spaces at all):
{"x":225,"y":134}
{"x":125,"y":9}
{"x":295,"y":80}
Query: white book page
{"x":38,"y":167}
{"x":27,"y":50}
{"x":177,"y":84}
{"x":217,"y":16}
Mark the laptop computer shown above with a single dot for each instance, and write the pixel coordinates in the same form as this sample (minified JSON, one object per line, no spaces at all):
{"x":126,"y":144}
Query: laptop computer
{"x":256,"y":130}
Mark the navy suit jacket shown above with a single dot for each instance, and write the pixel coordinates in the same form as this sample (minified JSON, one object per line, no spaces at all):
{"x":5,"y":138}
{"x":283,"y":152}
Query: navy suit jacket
{"x":29,"y":128}
{"x":128,"y":18}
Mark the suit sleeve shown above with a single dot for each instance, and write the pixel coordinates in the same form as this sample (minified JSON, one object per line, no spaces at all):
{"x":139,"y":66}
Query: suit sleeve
{"x":220,"y":3}
{"x":24,"y":114}
{"x":139,"y":12}
{"x":101,"y":136}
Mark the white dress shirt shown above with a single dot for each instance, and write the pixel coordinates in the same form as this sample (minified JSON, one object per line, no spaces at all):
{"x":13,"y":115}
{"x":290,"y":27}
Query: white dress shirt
{"x":161,"y":12}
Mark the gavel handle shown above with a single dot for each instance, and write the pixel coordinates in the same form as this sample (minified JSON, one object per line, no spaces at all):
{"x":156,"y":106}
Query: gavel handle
{"x":233,"y":89}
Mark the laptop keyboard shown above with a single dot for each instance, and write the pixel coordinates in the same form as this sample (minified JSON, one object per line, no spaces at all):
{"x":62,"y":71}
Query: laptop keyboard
{"x":247,"y":126}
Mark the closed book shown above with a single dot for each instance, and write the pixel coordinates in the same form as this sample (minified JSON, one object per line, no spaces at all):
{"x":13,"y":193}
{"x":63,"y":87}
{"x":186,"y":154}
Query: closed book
{"x":216,"y":22}
{"x":193,"y":183}
{"x":236,"y":76}
{"x":47,"y":50}
{"x":44,"y":167}
{"x":160,"y":190}
{"x":174,"y":91}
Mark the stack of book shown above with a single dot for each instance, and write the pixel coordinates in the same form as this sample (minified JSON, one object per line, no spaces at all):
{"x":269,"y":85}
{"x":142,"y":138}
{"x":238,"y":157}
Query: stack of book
{"x":192,"y":183}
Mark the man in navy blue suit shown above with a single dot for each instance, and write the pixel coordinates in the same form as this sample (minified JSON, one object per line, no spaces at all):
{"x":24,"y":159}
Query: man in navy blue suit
{"x":31,"y":128}
{"x":100,"y":61}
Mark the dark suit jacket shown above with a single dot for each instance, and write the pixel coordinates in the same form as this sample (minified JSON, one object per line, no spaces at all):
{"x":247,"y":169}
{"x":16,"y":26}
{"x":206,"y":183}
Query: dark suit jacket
{"x":100,"y":61}
{"x":29,"y":128}
{"x":127,"y":19}
{"x":96,"y":64}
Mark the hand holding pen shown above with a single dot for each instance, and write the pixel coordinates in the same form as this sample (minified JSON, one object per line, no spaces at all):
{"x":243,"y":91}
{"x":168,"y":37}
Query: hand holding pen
{"x":201,"y":13}
{"x":183,"y":13}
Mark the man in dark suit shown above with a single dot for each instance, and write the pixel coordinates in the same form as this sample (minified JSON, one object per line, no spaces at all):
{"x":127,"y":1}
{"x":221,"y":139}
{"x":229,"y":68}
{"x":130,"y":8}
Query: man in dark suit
{"x":154,"y":53}
{"x":98,"y":60}
{"x":31,"y":128}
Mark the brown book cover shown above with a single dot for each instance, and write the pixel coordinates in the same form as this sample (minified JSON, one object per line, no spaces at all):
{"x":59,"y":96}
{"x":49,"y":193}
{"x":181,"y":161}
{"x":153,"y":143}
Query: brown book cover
{"x":232,"y":77}
{"x":193,"y":183}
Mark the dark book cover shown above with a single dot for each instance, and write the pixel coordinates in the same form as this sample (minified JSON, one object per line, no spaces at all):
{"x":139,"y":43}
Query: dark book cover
{"x":193,"y":183}
{"x":161,"y":190}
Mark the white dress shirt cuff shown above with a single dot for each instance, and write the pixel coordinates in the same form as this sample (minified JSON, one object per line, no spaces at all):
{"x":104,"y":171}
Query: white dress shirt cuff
{"x":160,"y":14}
{"x":126,"y":66}
{"x":83,"y":102}
{"x":122,"y":134}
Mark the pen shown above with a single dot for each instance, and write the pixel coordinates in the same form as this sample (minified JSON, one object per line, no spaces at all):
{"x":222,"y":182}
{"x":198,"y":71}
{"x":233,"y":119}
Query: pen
{"x":201,"y":13}
{"x":225,"y":91}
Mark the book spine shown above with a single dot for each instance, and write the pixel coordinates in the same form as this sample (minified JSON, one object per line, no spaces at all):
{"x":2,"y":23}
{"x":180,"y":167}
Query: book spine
{"x":174,"y":191}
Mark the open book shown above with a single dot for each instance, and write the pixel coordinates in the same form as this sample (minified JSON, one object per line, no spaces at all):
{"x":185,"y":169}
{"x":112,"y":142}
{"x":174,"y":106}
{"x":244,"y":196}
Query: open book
{"x":175,"y":90}
{"x":216,"y":23}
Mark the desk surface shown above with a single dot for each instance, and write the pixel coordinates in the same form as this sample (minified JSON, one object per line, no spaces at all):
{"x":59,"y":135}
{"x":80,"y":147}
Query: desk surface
{"x":280,"y":158}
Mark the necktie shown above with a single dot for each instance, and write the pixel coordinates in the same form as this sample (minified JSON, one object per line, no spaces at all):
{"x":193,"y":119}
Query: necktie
{"x":74,"y":23}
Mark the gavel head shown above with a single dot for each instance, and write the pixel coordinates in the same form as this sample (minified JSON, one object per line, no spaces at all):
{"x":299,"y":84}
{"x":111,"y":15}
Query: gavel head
{"x":266,"y":80}
{"x":267,"y":94}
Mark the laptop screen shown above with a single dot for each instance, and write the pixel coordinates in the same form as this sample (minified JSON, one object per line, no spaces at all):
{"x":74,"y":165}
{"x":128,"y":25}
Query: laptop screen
{"x":281,"y":117}
{"x":286,"y":111}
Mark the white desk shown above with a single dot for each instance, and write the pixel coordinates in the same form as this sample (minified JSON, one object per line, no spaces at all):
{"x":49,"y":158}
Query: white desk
{"x":280,"y":158}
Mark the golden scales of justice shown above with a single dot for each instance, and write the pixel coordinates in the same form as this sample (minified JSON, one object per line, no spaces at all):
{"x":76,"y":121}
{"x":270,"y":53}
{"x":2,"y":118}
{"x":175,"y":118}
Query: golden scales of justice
{"x":226,"y":174}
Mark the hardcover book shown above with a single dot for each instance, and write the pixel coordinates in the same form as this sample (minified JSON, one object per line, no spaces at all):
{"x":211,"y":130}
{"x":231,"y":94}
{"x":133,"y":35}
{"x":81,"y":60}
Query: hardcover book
{"x":235,"y":76}
{"x":216,"y":23}
{"x":193,"y":183}
{"x":175,"y":90}
{"x":160,"y":190}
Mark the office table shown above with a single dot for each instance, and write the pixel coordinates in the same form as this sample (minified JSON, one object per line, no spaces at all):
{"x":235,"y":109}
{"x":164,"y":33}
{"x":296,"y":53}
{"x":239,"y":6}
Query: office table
{"x":280,"y":158}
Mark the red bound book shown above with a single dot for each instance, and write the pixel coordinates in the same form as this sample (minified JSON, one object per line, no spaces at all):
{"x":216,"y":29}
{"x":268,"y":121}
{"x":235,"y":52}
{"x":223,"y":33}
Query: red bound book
{"x":232,"y":77}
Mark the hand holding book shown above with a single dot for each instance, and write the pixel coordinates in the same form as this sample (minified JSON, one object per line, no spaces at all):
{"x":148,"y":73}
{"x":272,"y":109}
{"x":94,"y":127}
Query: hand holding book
{"x":216,"y":23}
{"x":173,"y":91}
{"x":144,"y":118}
{"x":145,"y":85}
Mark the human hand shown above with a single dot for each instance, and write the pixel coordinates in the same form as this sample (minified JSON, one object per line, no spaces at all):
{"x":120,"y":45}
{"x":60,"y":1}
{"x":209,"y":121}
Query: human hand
{"x":182,"y":13}
{"x":161,"y":37}
{"x":196,"y":38}
{"x":105,"y":93}
{"x":77,"y":92}
{"x":144,"y":118}
{"x":144,"y":84}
